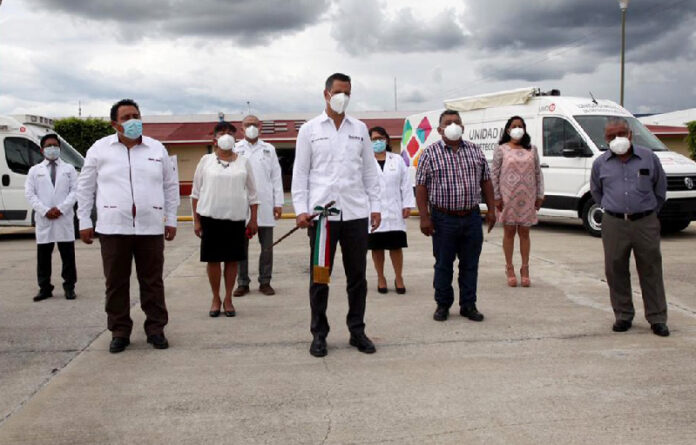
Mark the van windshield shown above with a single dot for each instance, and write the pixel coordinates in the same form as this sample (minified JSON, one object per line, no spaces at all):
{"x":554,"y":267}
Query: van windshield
{"x":70,"y":155}
{"x":594,"y":127}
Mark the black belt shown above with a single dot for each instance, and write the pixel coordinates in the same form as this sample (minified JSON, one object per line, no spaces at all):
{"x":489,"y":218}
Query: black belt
{"x":466,"y":212}
{"x":629,"y":217}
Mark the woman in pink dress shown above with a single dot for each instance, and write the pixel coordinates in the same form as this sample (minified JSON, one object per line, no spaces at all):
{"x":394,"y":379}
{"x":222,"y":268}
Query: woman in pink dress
{"x":519,"y":192}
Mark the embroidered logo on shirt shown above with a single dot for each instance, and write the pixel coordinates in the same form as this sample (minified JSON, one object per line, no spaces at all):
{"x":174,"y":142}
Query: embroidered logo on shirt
{"x":154,"y":159}
{"x":320,"y":139}
{"x":350,"y":136}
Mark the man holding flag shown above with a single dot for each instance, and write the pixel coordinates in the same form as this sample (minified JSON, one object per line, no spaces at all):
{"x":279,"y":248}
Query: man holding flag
{"x":334,"y":162}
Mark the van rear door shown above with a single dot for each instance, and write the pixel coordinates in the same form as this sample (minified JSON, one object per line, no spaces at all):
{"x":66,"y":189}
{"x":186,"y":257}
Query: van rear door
{"x":20,"y":155}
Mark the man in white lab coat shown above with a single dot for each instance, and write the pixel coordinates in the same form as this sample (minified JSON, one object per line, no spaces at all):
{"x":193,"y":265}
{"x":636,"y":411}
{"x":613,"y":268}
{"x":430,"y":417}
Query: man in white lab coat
{"x":137,"y":196}
{"x":50,"y":189}
{"x":269,"y":187}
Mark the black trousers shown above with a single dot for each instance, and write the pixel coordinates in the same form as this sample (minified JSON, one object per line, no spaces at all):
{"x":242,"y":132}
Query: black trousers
{"x":44,"y":253}
{"x":353,"y":238}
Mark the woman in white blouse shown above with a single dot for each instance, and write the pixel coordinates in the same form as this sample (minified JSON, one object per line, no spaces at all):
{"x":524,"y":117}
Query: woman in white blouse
{"x":396,"y":201}
{"x":223,"y":199}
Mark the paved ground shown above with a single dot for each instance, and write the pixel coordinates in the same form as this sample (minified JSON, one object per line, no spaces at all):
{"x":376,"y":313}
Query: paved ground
{"x":543,"y":368}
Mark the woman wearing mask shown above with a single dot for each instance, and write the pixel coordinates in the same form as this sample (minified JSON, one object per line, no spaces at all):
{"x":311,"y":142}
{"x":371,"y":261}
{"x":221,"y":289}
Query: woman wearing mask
{"x":519,"y":192}
{"x":223,"y":197}
{"x":396,"y":203}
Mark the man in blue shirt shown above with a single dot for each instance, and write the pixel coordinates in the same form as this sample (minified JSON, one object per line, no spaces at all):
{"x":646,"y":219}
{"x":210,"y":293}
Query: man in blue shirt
{"x":630,"y":185}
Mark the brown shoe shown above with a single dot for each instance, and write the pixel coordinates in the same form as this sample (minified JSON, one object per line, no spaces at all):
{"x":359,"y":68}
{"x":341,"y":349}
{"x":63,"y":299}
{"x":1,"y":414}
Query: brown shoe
{"x":266,"y":289}
{"x":241,"y":291}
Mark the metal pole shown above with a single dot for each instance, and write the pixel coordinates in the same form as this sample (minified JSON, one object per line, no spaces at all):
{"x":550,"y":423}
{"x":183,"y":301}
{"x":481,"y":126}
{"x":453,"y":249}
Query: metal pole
{"x":623,"y":50}
{"x":395,"y":94}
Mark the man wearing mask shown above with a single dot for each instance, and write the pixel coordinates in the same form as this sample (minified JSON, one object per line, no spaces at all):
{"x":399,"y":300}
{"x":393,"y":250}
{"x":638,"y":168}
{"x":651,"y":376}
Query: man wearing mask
{"x":50,"y":189}
{"x":334,"y":162}
{"x":628,"y":182}
{"x":137,"y":195}
{"x":269,"y":188}
{"x":452,"y":175}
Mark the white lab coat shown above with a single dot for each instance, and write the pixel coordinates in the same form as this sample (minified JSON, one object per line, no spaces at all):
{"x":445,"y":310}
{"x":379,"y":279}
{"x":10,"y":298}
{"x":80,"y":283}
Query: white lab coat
{"x":43,"y":196}
{"x":396,"y":193}
{"x":267,"y":177}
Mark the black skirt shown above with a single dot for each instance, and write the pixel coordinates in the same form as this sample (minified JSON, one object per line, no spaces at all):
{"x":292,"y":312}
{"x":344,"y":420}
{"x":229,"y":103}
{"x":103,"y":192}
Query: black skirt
{"x":392,"y":240}
{"x":222,"y":240}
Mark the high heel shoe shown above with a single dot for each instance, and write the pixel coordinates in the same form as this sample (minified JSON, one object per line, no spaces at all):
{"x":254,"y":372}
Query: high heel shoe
{"x":382,"y":290}
{"x":524,"y":275}
{"x":510,"y":273}
{"x":399,"y":290}
{"x":230,"y":313}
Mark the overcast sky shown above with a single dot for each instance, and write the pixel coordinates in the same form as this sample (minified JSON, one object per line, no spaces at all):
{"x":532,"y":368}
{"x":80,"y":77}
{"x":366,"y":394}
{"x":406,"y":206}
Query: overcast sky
{"x":205,"y":56}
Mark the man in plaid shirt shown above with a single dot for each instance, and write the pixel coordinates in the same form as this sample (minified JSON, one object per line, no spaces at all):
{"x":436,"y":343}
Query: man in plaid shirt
{"x":451,"y":177}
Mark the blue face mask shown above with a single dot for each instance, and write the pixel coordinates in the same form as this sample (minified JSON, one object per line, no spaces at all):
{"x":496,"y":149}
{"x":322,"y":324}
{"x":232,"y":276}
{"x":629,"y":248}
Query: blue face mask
{"x":379,"y":145}
{"x":133,"y":128}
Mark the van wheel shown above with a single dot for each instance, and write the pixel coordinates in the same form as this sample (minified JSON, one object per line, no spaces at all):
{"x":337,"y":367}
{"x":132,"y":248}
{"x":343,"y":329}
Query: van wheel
{"x":592,"y":218}
{"x":674,"y":226}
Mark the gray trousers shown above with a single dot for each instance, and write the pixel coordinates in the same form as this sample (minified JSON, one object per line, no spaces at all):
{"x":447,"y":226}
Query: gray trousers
{"x":642,"y":236}
{"x":265,"y":237}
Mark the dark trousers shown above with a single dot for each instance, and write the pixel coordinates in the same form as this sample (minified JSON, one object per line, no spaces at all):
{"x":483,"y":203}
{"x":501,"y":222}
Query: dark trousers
{"x":265,"y":259}
{"x":353,"y":238}
{"x":44,"y":253}
{"x":642,"y":236}
{"x":462,"y":237}
{"x":118,"y":253}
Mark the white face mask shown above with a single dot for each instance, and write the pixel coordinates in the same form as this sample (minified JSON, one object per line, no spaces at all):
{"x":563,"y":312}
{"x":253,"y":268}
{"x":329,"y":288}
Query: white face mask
{"x":620,"y":145}
{"x":517,"y":133}
{"x":225,"y":142}
{"x":251,"y":132}
{"x":52,"y":152}
{"x":453,"y":132}
{"x":339,"y":102}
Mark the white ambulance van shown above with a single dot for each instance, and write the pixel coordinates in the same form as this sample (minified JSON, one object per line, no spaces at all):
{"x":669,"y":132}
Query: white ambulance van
{"x":19,"y":138}
{"x":569,"y":134}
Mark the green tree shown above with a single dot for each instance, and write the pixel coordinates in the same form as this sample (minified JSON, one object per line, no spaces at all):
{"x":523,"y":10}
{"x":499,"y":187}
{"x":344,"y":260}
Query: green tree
{"x":82,"y":133}
{"x":691,"y":138}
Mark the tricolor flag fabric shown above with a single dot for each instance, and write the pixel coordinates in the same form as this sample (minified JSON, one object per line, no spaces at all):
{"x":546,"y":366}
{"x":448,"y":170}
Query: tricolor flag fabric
{"x":321,"y":257}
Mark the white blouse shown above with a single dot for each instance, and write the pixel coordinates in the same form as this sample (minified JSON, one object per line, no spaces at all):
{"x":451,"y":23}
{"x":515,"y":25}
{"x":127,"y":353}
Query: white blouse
{"x":224,"y":190}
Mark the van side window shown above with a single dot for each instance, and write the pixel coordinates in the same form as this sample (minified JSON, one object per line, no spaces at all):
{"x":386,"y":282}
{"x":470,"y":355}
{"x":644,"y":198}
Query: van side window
{"x":560,"y":134}
{"x":21,"y":154}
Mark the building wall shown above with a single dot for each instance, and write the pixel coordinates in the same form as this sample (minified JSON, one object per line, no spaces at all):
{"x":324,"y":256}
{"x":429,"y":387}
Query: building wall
{"x":187,"y":160}
{"x":675,"y":143}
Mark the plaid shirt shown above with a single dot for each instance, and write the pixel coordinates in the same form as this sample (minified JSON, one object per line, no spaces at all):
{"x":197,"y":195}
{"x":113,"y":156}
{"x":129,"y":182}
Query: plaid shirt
{"x":453,"y":179}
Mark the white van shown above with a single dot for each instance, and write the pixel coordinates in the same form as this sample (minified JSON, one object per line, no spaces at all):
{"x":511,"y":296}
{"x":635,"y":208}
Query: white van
{"x":20,"y":137}
{"x":569,"y":134}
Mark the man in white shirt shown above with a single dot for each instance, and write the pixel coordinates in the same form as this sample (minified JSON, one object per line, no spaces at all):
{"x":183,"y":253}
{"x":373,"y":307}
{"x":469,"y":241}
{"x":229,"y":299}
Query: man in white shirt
{"x":269,"y":188}
{"x":50,"y":189}
{"x":334,"y":161}
{"x":137,"y":195}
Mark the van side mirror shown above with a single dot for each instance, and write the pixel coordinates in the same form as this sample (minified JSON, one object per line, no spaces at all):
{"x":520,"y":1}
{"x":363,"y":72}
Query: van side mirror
{"x":571,"y":153}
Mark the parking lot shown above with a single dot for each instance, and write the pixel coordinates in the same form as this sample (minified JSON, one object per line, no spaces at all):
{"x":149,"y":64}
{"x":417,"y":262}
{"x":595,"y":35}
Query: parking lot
{"x":544,"y":367}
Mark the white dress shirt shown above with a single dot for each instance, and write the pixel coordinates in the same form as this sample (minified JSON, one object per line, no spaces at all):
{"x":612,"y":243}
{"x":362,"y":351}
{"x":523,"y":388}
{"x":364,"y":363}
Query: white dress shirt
{"x":224,"y":192}
{"x":141,"y":178}
{"x":335,"y":165}
{"x":267,"y":177}
{"x":43,"y":196}
{"x":397,"y":193}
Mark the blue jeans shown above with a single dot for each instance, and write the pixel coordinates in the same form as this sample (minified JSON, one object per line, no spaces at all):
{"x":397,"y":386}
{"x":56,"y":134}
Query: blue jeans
{"x":462,"y":237}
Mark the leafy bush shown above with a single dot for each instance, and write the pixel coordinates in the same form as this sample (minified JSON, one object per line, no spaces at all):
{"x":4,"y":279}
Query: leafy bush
{"x":82,"y":133}
{"x":691,"y":138}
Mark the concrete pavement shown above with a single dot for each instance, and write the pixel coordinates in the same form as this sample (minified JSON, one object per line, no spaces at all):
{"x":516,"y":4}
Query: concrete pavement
{"x":544,"y":367}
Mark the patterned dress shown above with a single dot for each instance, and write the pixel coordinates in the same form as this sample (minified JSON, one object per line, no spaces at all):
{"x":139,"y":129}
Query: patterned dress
{"x":518,"y":181}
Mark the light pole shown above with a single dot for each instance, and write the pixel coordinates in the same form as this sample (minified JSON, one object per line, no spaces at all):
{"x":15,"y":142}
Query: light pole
{"x":623,"y":4}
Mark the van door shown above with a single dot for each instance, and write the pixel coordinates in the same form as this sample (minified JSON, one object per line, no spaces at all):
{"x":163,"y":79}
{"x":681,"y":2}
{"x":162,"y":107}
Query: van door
{"x":564,"y":161}
{"x":20,"y":155}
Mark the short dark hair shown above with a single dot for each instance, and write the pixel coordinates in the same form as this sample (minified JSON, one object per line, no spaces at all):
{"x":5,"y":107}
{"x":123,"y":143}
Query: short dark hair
{"x":617,"y":120}
{"x":48,"y":136}
{"x":525,"y":142}
{"x":448,"y":113}
{"x":122,"y":103}
{"x":336,"y":76}
{"x":224,"y":126}
{"x":383,"y":132}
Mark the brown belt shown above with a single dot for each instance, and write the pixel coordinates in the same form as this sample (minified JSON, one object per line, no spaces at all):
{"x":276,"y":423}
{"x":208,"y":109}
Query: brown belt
{"x":456,"y":212}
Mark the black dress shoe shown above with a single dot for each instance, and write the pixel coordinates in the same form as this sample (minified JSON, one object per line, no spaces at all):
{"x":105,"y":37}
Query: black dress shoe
{"x":621,"y":326}
{"x":158,"y":341}
{"x":231,"y":313}
{"x":318,"y":347}
{"x":42,"y":296}
{"x":70,"y":294}
{"x":214,"y":313}
{"x":441,"y":313}
{"x":399,"y":290}
{"x":118,"y":344}
{"x":660,"y":329}
{"x":471,"y":313}
{"x":363,"y":343}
